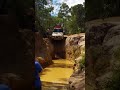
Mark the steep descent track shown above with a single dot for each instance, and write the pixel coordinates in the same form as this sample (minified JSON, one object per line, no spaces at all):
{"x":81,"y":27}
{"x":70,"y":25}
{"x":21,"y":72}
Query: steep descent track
{"x":59,"y":48}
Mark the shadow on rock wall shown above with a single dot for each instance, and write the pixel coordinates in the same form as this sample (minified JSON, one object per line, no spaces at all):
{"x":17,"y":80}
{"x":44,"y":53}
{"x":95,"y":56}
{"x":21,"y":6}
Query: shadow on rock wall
{"x":17,"y":54}
{"x":43,"y":49}
{"x":102,"y":42}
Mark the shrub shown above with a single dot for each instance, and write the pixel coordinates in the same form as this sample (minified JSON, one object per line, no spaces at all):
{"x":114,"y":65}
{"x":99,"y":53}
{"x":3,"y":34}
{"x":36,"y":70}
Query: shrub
{"x":82,"y":62}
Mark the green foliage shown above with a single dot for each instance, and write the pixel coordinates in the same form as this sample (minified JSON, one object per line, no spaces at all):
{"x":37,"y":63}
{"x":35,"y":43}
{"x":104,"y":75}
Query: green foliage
{"x":72,"y":26}
{"x":79,"y":12}
{"x":64,"y":11}
{"x":73,"y":18}
{"x":64,"y":15}
{"x":96,"y":9}
{"x":42,"y":16}
{"x":76,"y":21}
{"x":82,"y":61}
{"x":55,"y":20}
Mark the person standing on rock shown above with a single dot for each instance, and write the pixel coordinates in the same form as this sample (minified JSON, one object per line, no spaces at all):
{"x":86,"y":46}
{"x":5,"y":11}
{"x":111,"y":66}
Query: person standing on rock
{"x":38,"y":69}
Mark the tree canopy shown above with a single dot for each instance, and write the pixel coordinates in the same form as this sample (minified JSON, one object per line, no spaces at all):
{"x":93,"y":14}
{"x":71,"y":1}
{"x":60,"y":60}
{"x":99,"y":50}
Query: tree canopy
{"x":96,"y":9}
{"x":42,"y":16}
{"x":64,"y":11}
{"x":72,"y":19}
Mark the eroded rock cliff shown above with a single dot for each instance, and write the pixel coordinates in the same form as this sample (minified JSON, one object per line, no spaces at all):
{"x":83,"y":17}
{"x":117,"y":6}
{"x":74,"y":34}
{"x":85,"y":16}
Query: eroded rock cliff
{"x":43,"y":48}
{"x":102,"y":57}
{"x":75,"y":50}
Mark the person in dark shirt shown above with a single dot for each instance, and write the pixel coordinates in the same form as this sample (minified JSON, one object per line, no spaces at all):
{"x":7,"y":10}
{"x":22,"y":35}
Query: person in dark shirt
{"x":38,"y":69}
{"x":4,"y":87}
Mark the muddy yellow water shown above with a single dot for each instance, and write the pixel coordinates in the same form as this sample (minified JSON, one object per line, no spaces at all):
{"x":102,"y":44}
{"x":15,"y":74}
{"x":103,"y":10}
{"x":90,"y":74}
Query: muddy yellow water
{"x":57,"y":73}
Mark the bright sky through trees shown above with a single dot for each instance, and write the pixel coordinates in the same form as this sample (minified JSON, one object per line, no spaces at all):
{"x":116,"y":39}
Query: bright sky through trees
{"x":56,"y":4}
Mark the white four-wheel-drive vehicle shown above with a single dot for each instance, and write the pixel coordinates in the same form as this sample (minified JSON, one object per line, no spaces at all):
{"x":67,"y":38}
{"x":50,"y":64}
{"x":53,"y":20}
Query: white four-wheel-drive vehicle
{"x":58,"y":33}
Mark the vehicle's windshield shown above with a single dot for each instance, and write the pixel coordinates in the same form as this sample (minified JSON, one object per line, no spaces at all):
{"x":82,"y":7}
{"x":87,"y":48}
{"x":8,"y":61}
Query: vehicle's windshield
{"x":58,"y":30}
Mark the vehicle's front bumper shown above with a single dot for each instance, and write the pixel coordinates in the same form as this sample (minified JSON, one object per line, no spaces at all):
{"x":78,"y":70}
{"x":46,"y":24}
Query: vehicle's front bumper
{"x":57,"y":37}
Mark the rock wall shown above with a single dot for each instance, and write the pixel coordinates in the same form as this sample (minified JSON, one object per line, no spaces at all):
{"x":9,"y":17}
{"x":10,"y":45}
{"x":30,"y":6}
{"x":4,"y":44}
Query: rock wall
{"x":59,"y":49}
{"x":17,"y":54}
{"x":73,"y":46}
{"x":102,"y":56}
{"x":43,"y":48}
{"x":50,"y":49}
{"x":75,"y":50}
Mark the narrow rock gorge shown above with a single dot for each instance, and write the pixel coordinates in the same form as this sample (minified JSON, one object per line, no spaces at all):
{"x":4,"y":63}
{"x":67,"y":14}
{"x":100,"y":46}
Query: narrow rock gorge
{"x":72,"y":48}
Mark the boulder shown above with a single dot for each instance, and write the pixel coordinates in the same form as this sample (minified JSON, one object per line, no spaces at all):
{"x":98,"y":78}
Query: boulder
{"x":102,"y":55}
{"x":77,"y":82}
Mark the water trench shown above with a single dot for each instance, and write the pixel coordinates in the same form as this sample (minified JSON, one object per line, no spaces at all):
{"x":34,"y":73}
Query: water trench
{"x":55,"y":76}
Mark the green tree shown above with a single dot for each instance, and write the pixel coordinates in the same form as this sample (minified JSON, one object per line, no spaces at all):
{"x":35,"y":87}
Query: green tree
{"x":96,"y":9}
{"x":64,"y":13}
{"x":72,"y":26}
{"x":78,"y":11}
{"x":75,"y":23}
{"x":55,"y":20}
{"x":42,"y":16}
